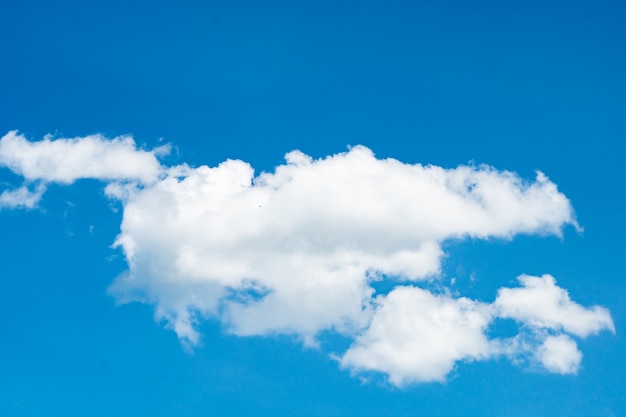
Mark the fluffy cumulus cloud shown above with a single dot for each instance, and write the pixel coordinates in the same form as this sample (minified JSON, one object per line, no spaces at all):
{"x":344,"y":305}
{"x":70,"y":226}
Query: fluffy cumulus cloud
{"x":418,"y":336}
{"x":296,"y":250}
{"x":559,"y":354}
{"x":540,"y":303}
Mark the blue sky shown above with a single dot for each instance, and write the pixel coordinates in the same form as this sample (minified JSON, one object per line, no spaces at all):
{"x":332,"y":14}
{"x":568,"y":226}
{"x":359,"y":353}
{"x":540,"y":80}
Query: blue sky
{"x":521,"y":87}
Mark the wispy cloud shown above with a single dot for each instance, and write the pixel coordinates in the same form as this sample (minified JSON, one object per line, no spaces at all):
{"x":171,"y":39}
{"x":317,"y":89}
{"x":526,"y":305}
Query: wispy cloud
{"x":21,"y":197}
{"x":296,"y":250}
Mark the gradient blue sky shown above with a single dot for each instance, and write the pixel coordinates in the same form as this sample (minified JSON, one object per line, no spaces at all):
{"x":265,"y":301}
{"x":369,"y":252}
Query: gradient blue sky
{"x":519,"y":85}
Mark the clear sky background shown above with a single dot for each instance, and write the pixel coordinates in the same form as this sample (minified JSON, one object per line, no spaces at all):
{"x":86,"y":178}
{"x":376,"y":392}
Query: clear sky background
{"x":520,"y":86}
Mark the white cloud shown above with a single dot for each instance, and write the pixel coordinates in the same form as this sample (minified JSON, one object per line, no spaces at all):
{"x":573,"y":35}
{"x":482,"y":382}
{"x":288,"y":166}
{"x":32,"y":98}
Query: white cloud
{"x":67,"y":160}
{"x":540,"y":303}
{"x":296,"y":250}
{"x":416,"y":336}
{"x":21,"y":197}
{"x":559,"y":354}
{"x":293,"y":251}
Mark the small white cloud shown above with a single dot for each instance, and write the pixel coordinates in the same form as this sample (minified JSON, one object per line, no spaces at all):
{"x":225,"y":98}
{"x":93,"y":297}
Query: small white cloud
{"x":67,"y":160}
{"x":559,"y":354}
{"x":416,"y":336}
{"x":21,"y":198}
{"x":540,"y":303}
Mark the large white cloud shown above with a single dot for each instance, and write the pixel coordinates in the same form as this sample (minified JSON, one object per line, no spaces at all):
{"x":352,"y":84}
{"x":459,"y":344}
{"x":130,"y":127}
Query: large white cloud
{"x":296,"y":250}
{"x":301,"y":244}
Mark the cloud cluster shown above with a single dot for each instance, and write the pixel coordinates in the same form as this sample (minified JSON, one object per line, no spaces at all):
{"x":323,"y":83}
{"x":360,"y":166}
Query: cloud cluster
{"x":296,"y":250}
{"x":417,"y":336}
